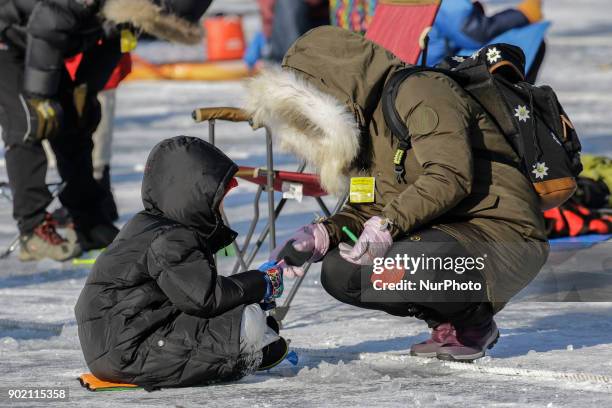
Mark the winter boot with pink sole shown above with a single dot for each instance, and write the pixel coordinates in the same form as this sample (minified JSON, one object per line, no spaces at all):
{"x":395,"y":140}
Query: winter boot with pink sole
{"x":439,"y":335}
{"x":472,"y":332}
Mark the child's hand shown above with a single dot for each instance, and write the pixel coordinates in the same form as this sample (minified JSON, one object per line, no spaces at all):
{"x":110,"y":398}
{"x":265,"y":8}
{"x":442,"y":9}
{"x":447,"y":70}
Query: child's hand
{"x":273,"y":273}
{"x":266,"y":265}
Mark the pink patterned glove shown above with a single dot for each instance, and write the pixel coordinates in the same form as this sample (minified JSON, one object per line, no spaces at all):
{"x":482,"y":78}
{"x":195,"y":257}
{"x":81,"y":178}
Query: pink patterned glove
{"x":308,"y":244}
{"x":374,"y":242}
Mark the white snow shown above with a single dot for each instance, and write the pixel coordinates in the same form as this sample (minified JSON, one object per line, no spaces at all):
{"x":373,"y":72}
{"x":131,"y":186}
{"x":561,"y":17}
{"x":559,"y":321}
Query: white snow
{"x":348,"y":356}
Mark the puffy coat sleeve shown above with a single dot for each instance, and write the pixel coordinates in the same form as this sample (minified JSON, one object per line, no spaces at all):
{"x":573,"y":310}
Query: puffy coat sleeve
{"x":188,"y":276}
{"x":51,"y":27}
{"x":438,"y":117}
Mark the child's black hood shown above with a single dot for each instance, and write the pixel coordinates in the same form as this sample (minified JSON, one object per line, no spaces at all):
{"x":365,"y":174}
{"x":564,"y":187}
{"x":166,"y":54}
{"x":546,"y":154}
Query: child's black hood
{"x":185,"y":180}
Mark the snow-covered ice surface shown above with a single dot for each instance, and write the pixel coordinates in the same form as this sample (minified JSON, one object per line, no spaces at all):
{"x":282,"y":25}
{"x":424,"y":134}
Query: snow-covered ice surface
{"x":348,"y":356}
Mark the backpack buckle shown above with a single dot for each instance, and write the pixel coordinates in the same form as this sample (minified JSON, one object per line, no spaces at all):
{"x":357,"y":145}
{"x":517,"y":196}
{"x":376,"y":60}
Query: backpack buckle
{"x":400,"y":172}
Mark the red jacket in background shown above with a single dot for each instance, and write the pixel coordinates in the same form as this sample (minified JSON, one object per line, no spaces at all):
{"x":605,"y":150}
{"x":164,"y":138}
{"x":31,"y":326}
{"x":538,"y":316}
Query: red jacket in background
{"x":122,"y":70}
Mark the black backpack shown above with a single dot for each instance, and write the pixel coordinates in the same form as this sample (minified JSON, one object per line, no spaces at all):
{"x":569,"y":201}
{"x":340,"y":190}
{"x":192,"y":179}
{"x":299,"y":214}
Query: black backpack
{"x":530,"y":117}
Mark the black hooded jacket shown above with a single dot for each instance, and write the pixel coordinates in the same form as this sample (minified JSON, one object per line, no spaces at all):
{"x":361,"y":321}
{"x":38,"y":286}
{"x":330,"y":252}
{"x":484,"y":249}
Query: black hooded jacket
{"x":153,"y":311}
{"x":46,"y":32}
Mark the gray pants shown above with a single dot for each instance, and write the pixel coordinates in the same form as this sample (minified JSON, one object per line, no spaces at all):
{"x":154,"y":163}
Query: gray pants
{"x":103,"y":136}
{"x":254,"y":332}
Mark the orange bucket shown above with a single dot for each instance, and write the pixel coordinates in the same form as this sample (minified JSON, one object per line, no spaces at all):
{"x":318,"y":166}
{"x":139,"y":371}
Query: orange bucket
{"x":224,"y":37}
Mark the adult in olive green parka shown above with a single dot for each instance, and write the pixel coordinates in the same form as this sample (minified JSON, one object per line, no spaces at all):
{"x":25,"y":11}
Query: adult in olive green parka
{"x":325,"y":107}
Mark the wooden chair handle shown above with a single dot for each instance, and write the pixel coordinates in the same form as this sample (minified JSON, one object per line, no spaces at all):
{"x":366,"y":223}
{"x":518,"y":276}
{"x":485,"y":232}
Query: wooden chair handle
{"x":221,"y":113}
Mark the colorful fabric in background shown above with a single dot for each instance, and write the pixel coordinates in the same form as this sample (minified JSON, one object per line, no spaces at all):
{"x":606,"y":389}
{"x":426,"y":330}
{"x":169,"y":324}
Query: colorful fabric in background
{"x":598,"y":168}
{"x":353,"y":15}
{"x":588,"y":211}
{"x":571,"y":220}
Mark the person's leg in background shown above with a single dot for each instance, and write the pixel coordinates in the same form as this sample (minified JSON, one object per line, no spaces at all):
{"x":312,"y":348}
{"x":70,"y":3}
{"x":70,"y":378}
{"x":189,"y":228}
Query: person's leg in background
{"x":290,"y":21}
{"x":453,"y":316}
{"x":102,"y":150}
{"x":482,"y":28}
{"x":26,"y":165}
{"x":83,"y":197}
{"x":292,"y":18}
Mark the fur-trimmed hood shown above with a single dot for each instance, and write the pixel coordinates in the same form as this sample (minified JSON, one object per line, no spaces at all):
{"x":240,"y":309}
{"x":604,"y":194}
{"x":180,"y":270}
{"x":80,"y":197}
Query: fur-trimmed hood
{"x":321,"y":101}
{"x":155,"y":20}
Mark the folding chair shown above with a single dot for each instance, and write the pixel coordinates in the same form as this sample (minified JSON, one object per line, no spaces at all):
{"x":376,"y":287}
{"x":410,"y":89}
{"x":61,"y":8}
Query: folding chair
{"x":401,"y":26}
{"x":268,"y":180}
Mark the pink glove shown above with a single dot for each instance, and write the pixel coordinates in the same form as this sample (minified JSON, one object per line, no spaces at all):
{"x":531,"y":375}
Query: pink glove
{"x":312,"y":239}
{"x":374,"y":242}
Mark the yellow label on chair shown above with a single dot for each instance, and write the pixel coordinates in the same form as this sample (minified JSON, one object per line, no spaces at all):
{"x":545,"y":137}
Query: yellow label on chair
{"x":362,"y":190}
{"x":128,"y":41}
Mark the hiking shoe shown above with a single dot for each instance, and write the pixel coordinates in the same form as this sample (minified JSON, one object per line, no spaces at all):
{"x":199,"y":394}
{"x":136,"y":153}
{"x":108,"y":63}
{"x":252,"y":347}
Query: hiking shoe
{"x":274,"y":354}
{"x":439,"y":336}
{"x":61,"y":217}
{"x":98,"y":237}
{"x":469,"y":343}
{"x":45,"y":242}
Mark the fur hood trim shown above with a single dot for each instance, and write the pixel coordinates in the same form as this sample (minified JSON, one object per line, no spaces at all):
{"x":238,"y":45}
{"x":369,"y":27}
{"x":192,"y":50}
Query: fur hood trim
{"x":307,"y":122}
{"x":152,"y":19}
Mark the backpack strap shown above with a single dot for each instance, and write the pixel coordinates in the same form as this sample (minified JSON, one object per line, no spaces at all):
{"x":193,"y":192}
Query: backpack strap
{"x":394,"y":120}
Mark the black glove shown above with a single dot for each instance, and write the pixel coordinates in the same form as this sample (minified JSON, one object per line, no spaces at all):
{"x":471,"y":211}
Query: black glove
{"x":45,"y":118}
{"x":292,"y":256}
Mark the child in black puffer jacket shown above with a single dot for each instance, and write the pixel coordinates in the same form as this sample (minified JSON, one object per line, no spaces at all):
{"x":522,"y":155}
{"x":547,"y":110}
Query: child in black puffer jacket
{"x":154,"y":311}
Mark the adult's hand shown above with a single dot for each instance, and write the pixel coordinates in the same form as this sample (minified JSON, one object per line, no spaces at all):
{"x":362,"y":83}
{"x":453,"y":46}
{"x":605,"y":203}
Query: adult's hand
{"x":374,"y":242}
{"x":308,"y":244}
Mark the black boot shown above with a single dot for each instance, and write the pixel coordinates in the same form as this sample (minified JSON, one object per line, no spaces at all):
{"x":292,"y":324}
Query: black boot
{"x":273,"y":354}
{"x":97,"y":237}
